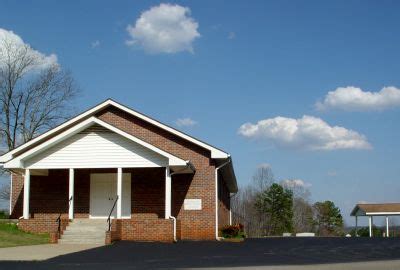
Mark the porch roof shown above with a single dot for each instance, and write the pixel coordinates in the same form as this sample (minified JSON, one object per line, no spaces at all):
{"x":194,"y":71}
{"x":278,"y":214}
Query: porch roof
{"x":18,"y":162}
{"x":376,"y":209}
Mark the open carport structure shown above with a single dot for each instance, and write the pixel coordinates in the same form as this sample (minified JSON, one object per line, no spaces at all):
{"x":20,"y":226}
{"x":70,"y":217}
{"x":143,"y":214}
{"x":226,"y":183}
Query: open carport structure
{"x":371,"y":210}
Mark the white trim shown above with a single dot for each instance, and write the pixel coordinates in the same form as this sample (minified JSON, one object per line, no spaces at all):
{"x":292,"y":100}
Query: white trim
{"x":18,"y":161}
{"x":370,"y":225}
{"x":27,"y":185}
{"x":215,"y":152}
{"x":119,"y":193}
{"x":11,"y":190}
{"x":387,"y":226}
{"x":71,"y":194}
{"x":382,"y":213}
{"x":167,"y":193}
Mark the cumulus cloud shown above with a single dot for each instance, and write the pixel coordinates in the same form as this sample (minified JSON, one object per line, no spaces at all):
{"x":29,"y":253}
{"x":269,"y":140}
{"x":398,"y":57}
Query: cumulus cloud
{"x":11,"y":42}
{"x":294,"y":183}
{"x":231,"y":35}
{"x":308,"y":132}
{"x":185,"y":122}
{"x":355,"y":99}
{"x":165,"y":28}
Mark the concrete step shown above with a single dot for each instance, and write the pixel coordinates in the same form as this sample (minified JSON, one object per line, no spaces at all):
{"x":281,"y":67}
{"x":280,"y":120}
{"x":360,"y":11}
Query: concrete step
{"x":82,"y":241}
{"x":80,"y":232}
{"x":85,"y":231}
{"x":86,"y":228}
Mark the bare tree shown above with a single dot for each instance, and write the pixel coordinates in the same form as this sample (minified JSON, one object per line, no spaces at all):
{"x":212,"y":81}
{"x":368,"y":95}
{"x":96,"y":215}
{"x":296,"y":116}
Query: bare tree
{"x":5,"y":192}
{"x":243,"y":210}
{"x":32,"y":100}
{"x":35,"y":93}
{"x":302,"y":209}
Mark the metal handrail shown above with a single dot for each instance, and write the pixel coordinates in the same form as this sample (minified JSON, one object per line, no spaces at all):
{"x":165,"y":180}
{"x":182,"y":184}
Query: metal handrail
{"x":59,"y":217}
{"x":109,"y":216}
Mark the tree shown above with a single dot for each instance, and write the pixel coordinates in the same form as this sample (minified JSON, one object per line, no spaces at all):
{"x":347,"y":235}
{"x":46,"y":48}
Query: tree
{"x":243,"y":210}
{"x":328,"y":219}
{"x":34,"y":95}
{"x":302,"y":215}
{"x":35,"y":92}
{"x":5,"y":192}
{"x":276,"y":202}
{"x":302,"y":209}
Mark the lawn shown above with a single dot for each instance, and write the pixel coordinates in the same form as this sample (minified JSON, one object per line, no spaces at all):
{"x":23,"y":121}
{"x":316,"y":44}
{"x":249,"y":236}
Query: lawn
{"x":11,"y":236}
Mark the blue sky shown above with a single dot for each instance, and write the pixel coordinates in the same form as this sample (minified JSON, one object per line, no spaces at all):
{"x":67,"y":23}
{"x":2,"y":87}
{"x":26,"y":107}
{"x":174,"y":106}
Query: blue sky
{"x":242,"y":63}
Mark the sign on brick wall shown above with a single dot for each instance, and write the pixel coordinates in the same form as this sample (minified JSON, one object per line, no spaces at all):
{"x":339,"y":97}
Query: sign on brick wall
{"x":192,"y":204}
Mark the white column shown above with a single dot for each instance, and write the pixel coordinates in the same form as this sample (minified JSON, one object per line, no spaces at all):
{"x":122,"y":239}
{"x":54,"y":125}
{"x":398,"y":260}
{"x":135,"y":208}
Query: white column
{"x":167,"y":193}
{"x":71,"y":194}
{"x":387,"y":226}
{"x":27,"y":183}
{"x":370,"y":226}
{"x":119,"y":193}
{"x":356,"y":225}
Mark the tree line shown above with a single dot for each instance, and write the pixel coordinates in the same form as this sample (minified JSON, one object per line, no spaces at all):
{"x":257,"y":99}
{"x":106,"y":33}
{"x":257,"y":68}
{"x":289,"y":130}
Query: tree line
{"x":268,"y":208}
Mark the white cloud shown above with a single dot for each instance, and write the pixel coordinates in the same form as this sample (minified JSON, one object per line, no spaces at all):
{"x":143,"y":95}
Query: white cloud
{"x":14,"y":43}
{"x":231,"y":35}
{"x":293,"y":183}
{"x":95,"y":44}
{"x":185,"y":122}
{"x":165,"y":28}
{"x":355,"y":99}
{"x":308,"y":132}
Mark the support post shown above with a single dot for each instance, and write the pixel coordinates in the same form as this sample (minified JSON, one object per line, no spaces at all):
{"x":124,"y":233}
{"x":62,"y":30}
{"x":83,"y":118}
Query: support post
{"x":387,"y":226}
{"x":71,"y":194}
{"x":356,"y":225}
{"x":167,"y":193}
{"x":370,"y":225}
{"x":119,"y":193}
{"x":27,"y":183}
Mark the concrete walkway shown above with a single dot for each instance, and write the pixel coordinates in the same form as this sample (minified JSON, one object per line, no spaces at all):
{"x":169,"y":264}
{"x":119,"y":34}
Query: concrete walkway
{"x":41,"y":252}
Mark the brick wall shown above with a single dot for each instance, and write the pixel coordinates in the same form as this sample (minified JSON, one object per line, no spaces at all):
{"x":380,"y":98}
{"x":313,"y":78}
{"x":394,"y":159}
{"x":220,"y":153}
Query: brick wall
{"x":42,"y":224}
{"x":194,"y":224}
{"x":48,"y":194}
{"x":17,"y":195}
{"x":223,"y":203}
{"x":142,"y":229}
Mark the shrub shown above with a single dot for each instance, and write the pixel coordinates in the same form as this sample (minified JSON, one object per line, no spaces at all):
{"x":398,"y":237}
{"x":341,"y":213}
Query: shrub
{"x":364,"y":232}
{"x":233,"y":231}
{"x":4,"y":214}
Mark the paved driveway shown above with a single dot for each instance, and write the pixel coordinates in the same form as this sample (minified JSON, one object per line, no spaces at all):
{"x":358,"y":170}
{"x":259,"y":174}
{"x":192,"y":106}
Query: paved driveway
{"x":273,"y":253}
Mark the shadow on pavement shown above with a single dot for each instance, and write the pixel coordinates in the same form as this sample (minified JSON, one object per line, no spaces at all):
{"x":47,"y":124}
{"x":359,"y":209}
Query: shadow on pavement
{"x":253,"y":252}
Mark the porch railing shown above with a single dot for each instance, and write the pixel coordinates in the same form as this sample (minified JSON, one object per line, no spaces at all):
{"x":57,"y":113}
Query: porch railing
{"x":58,"y":220}
{"x":109,"y":216}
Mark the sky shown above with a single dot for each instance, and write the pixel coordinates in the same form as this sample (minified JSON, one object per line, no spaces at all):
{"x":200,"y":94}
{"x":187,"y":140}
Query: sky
{"x":310,"y":88}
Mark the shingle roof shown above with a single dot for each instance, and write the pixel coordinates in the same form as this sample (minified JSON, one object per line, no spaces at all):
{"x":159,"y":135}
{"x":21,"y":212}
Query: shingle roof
{"x":376,"y":208}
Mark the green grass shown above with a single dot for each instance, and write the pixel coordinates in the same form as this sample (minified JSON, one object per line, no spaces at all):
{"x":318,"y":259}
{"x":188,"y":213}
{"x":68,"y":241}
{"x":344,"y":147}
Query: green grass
{"x":11,"y":236}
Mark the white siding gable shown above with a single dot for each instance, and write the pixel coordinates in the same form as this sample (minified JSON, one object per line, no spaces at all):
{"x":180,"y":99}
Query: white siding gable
{"x":96,"y":147}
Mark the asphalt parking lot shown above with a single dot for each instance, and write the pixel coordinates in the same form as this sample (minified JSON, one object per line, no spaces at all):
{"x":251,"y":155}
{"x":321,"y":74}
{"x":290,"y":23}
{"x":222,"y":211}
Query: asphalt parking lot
{"x":251,"y":253}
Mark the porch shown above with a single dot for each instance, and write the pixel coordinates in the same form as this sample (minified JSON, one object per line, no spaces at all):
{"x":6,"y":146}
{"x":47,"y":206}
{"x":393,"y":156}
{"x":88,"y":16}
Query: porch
{"x":137,"y":200}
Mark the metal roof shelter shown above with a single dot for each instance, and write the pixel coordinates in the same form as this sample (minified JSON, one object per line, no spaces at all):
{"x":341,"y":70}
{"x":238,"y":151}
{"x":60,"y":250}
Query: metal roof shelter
{"x":376,"y":209}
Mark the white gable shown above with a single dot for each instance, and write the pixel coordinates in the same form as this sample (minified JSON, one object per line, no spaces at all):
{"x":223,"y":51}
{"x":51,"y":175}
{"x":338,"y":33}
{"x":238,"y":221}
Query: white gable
{"x":96,"y":147}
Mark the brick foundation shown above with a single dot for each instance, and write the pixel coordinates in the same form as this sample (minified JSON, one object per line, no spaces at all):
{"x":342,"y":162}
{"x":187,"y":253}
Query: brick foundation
{"x":42,"y":224}
{"x":156,"y":229}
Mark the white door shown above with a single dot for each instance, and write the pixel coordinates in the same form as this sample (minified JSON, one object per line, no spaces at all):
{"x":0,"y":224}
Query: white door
{"x":103,"y":195}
